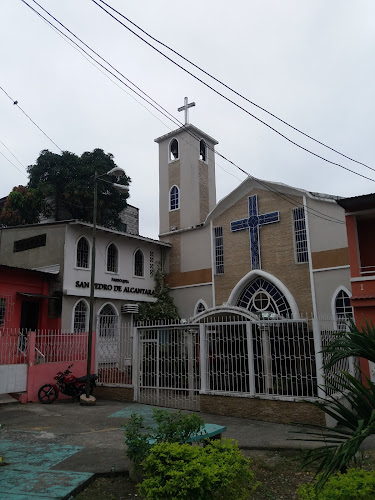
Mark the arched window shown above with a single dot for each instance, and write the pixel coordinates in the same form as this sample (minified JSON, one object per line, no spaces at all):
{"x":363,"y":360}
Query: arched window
{"x":112,"y":258}
{"x":138,"y":263}
{"x":200,"y":307}
{"x":83,"y":253}
{"x":108,"y":323}
{"x":174,"y":198}
{"x":80,"y":317}
{"x":173,"y":150}
{"x":343,"y":310}
{"x":202,"y":150}
{"x":264,"y":299}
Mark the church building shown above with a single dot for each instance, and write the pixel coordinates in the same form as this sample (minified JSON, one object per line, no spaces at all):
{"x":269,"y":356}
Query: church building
{"x":271,"y":249}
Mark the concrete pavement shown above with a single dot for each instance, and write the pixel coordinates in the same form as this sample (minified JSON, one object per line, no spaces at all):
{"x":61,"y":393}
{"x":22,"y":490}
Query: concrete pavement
{"x":53,"y":449}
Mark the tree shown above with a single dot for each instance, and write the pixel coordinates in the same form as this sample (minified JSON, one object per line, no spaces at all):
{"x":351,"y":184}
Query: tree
{"x":163,"y":308}
{"x":21,"y":207}
{"x":353,"y":408}
{"x":64,"y":186}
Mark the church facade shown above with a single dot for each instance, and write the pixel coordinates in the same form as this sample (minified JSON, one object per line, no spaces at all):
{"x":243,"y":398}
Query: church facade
{"x":273,"y":250}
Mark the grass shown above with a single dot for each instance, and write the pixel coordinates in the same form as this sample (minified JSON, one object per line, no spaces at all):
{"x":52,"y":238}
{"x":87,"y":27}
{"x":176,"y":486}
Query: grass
{"x":278,"y":471}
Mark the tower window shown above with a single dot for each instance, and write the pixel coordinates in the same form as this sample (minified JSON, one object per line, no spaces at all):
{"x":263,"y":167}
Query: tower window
{"x":174,"y":198}
{"x":202,"y":150}
{"x":173,"y":150}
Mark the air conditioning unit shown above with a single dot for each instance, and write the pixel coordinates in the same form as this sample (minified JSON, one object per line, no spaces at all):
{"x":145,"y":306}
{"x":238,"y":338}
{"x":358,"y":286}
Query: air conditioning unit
{"x":129,"y":309}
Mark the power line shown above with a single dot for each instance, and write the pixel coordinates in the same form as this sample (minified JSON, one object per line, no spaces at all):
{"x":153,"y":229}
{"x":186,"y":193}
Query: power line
{"x":15,"y":103}
{"x":14,"y":156}
{"x":14,"y":165}
{"x":231,"y":101}
{"x":171,"y":117}
{"x":230,"y":88}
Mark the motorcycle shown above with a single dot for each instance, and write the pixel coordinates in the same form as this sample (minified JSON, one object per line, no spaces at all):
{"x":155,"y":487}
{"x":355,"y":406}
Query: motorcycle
{"x":67,"y":384}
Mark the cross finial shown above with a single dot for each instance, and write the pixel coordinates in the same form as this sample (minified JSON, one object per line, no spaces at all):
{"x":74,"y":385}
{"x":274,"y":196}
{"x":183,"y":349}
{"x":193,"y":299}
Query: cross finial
{"x":185,"y":108}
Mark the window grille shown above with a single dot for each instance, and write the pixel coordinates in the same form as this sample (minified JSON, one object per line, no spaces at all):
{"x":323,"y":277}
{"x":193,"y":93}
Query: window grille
{"x":2,"y":310}
{"x":174,"y":201}
{"x":300,"y":235}
{"x":138,"y":263}
{"x":219,"y":250}
{"x":80,"y":317}
{"x":112,"y":258}
{"x":151,"y":263}
{"x":264,"y":299}
{"x":343,"y":309}
{"x":83,"y":253}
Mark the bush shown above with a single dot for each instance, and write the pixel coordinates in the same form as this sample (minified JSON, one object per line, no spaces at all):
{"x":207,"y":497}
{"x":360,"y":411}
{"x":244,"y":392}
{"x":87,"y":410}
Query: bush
{"x":181,"y":471}
{"x":354,"y":484}
{"x":170,"y":427}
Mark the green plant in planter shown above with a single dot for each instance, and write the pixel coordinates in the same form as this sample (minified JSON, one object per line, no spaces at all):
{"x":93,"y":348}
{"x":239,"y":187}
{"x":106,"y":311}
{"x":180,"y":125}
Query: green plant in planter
{"x":355,"y":484}
{"x":180,"y":471}
{"x":169,"y":427}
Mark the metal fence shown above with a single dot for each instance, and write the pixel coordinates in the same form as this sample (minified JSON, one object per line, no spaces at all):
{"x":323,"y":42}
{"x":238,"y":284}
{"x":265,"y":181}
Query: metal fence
{"x":53,"y":346}
{"x":13,"y":347}
{"x":114,"y":354}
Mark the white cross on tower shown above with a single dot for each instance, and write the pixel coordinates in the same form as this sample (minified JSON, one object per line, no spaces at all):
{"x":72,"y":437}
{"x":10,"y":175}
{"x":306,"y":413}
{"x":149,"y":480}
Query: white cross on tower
{"x":185,"y":108}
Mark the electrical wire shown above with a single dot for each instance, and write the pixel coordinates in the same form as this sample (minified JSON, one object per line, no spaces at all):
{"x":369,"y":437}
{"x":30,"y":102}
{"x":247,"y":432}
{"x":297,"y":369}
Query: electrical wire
{"x":230,"y":88}
{"x":15,"y":103}
{"x":14,"y":156}
{"x":233,"y":102}
{"x":14,"y":165}
{"x":285,"y":197}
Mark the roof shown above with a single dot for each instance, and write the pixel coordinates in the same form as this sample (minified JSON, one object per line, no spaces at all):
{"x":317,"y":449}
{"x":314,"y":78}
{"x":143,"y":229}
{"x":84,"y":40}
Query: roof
{"x":88,"y":224}
{"x":24,"y":269}
{"x":362,"y":202}
{"x":187,"y":128}
{"x":278,"y":187}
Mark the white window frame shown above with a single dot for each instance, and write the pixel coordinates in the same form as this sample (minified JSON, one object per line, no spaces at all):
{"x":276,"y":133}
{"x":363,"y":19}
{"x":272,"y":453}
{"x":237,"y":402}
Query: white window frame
{"x":86,"y":318}
{"x":143,"y":263}
{"x":177,"y":197}
{"x":170,"y":159}
{"x":200,"y":302}
{"x":117,"y":259}
{"x":88,"y":254}
{"x":337,"y":325}
{"x":300,"y":256}
{"x":218,"y":257}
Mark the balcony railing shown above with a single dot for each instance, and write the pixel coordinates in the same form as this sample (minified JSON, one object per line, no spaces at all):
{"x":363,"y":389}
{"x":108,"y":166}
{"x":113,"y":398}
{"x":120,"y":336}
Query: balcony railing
{"x":367,"y":271}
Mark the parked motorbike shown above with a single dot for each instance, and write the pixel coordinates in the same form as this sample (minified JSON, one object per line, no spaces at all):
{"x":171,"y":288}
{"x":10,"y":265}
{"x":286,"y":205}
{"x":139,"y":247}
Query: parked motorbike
{"x":67,"y":384}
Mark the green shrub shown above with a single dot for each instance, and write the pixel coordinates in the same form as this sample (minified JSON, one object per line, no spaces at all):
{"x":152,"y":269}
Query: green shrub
{"x":170,"y":427}
{"x":180,"y":471}
{"x":354,"y":484}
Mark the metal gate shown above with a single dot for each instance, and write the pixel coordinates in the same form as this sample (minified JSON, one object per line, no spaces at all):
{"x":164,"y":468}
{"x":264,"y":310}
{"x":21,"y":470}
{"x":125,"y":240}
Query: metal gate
{"x":13,"y":362}
{"x":168,"y":371}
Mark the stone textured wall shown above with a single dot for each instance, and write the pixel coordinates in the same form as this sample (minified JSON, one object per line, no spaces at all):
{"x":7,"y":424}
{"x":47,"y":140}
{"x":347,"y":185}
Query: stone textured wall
{"x":276,"y":249}
{"x":203,"y":190}
{"x":114,"y":393}
{"x":265,"y":410}
{"x":130,"y":217}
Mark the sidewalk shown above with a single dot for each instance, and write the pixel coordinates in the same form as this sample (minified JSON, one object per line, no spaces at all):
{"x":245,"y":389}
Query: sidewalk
{"x":53,"y":449}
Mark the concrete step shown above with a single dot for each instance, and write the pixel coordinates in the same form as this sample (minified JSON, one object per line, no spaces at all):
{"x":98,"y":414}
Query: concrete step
{"x":7,"y":399}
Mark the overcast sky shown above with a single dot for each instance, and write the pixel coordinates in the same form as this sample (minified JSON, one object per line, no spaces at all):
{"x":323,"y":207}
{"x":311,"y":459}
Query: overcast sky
{"x":311,"y":63}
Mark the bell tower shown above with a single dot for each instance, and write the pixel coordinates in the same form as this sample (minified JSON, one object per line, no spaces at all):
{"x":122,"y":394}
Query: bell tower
{"x":187,"y":190}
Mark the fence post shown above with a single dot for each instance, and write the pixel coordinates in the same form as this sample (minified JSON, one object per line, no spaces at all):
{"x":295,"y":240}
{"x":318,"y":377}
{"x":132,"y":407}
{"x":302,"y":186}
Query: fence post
{"x":31,"y":337}
{"x":202,"y":358}
{"x":250,"y":356}
{"x":135,"y":363}
{"x":318,"y":357}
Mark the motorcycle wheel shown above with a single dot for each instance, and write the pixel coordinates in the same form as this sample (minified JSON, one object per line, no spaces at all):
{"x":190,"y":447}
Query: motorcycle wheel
{"x":47,"y":394}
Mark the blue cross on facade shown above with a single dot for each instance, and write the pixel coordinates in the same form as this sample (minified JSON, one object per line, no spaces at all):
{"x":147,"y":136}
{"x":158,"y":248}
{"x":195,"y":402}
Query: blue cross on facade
{"x":253,"y":222}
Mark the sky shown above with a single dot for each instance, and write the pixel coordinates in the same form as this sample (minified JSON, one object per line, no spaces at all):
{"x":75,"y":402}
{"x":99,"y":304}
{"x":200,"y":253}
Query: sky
{"x":311,"y":63}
